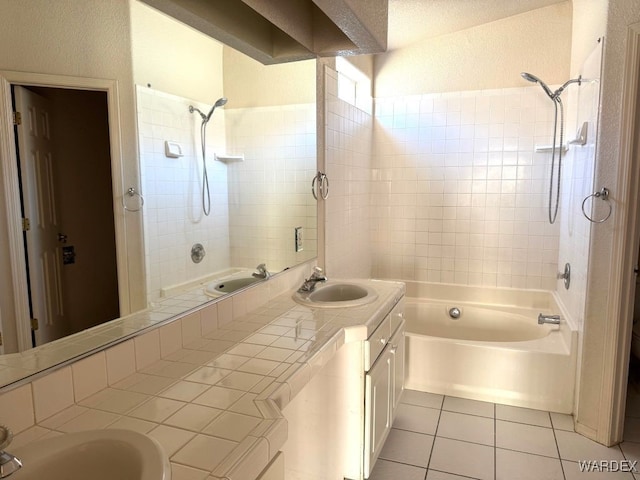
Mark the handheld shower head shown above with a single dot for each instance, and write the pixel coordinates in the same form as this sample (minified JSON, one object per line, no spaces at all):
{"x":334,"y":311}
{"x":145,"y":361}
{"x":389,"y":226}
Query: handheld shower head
{"x":219,"y":103}
{"x":205,"y":118}
{"x":532,"y":78}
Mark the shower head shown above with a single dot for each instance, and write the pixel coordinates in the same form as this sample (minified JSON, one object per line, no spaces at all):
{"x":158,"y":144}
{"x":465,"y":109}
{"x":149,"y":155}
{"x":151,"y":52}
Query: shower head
{"x":532,"y":78}
{"x":205,"y":118}
{"x":219,"y":103}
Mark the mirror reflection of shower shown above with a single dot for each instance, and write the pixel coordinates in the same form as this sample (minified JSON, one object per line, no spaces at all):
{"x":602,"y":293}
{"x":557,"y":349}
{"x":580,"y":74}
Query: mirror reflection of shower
{"x":206,"y":194}
{"x":555,"y":98}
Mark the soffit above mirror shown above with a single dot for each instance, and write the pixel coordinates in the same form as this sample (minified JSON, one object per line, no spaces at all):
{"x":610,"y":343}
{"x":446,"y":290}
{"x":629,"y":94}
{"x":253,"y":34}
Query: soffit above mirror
{"x":282,"y":31}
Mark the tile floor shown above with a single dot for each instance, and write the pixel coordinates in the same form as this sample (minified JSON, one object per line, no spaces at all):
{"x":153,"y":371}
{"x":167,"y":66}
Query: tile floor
{"x":437,"y":437}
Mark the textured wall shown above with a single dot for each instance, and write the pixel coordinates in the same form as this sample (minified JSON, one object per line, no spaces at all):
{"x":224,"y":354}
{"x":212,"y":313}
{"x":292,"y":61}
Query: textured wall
{"x":487,"y":56}
{"x":174,"y":58}
{"x":249,"y":84}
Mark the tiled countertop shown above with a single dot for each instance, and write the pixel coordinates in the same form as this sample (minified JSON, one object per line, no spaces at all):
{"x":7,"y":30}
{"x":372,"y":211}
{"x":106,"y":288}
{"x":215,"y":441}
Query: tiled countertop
{"x":215,"y":404}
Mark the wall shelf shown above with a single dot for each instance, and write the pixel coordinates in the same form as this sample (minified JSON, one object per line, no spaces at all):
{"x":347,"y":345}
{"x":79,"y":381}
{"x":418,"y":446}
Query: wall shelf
{"x":224,"y":158}
{"x":549,"y":148}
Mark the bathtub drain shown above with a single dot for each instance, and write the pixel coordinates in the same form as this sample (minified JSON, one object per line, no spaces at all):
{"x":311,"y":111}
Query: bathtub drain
{"x":454,"y":312}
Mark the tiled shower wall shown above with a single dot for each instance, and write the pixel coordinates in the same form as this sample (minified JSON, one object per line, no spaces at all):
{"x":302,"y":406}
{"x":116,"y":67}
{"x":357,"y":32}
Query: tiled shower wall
{"x":269,"y":192}
{"x":458,"y":194}
{"x":348,"y":134}
{"x":255,"y":204}
{"x":172,"y":189}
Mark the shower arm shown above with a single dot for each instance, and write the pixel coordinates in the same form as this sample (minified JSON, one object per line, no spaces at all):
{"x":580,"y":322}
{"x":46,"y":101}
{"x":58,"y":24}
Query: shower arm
{"x":559,"y":91}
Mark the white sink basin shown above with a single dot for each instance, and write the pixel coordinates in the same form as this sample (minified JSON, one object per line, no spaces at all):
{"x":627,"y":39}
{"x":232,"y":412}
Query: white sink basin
{"x":227,"y":286}
{"x":337,"y":295}
{"x":95,"y":455}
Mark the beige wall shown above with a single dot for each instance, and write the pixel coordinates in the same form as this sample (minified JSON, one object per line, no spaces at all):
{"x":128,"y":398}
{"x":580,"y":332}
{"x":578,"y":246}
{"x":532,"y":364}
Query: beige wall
{"x":174,"y":58}
{"x":248,"y":83}
{"x":485,"y":57}
{"x":84,"y":39}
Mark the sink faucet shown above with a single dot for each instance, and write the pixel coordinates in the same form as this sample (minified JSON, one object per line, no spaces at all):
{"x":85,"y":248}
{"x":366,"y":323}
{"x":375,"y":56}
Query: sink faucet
{"x":261,"y":272}
{"x":309,"y":284}
{"x":8,"y":463}
{"x":552,"y":319}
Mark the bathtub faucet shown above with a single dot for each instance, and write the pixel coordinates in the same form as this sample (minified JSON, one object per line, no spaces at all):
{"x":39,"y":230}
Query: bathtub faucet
{"x":261,"y":272}
{"x":552,"y":319}
{"x":309,"y":284}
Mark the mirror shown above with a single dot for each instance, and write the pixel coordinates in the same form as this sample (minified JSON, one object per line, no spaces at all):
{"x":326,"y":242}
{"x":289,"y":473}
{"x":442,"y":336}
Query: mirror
{"x":261,"y":157}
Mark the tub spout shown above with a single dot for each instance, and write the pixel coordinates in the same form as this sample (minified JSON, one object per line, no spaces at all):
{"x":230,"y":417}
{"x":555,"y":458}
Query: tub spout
{"x":552,"y":319}
{"x":261,"y":272}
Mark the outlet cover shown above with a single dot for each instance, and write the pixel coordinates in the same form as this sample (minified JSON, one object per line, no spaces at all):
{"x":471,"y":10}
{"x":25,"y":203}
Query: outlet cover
{"x":298,"y":239}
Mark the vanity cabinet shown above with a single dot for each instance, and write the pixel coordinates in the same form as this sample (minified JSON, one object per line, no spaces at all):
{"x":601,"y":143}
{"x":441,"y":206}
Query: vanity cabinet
{"x":384,"y":384}
{"x":338,"y":422}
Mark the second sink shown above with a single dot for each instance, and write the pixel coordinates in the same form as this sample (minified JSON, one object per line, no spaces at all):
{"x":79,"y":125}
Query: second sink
{"x":231,"y":285}
{"x":96,"y":455}
{"x":337,"y":295}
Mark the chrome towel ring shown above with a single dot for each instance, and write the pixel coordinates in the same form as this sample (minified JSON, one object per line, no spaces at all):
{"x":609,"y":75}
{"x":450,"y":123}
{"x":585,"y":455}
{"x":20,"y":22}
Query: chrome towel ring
{"x":323,"y":186}
{"x":603,"y":194}
{"x":132,"y":192}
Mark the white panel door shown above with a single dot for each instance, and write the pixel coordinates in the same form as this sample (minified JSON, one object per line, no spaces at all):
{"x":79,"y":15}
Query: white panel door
{"x":38,"y":196}
{"x":378,"y":382}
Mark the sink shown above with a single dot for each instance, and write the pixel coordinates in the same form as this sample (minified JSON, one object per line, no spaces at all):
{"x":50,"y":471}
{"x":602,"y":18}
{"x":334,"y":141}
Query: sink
{"x":227,"y":286}
{"x":95,"y":454}
{"x":337,"y":295}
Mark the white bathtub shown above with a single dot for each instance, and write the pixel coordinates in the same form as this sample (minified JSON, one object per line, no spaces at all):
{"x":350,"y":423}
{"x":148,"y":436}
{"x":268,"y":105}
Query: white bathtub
{"x":495,"y":351}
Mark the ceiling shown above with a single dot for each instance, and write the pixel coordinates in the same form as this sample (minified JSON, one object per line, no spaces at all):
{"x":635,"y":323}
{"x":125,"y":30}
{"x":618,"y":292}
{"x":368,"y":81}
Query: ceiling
{"x":411,"y":21}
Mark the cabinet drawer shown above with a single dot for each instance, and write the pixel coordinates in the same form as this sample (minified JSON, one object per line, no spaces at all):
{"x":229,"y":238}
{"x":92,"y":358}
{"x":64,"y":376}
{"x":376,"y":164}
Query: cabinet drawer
{"x":377,"y":341}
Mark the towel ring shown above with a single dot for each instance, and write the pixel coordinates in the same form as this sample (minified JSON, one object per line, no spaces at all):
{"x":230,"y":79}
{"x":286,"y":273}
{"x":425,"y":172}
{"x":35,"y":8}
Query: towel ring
{"x":323,"y":186}
{"x":132,"y":192}
{"x":604,"y":195}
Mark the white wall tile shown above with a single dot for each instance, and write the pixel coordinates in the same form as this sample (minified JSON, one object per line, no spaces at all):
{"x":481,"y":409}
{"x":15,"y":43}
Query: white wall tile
{"x":170,"y":338}
{"x":16,"y":409}
{"x":465,"y":198}
{"x":89,"y":375}
{"x":121,"y":361}
{"x":147,"y":349}
{"x":52,"y":393}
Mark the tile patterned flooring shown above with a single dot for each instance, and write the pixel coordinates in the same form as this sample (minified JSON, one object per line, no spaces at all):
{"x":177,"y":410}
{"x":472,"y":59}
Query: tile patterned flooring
{"x":437,"y":437}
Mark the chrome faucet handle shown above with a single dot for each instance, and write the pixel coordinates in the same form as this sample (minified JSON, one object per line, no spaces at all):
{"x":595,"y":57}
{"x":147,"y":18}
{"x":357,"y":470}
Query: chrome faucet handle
{"x":6,"y":436}
{"x":8,"y":463}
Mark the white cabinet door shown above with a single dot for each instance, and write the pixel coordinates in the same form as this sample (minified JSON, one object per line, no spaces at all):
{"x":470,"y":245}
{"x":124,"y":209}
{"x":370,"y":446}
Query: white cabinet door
{"x":397,"y":350}
{"x":377,"y":408}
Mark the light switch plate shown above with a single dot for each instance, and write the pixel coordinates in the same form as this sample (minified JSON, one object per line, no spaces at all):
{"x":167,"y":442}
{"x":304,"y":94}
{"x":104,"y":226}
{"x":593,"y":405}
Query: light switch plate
{"x":298,"y":239}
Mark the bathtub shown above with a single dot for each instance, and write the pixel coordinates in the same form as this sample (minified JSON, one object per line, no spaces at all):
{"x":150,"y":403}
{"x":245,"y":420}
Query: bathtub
{"x":495,"y":351}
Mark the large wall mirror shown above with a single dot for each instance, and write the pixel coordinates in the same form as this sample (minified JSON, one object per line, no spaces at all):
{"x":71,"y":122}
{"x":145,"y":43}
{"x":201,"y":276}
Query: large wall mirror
{"x":253,"y":207}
